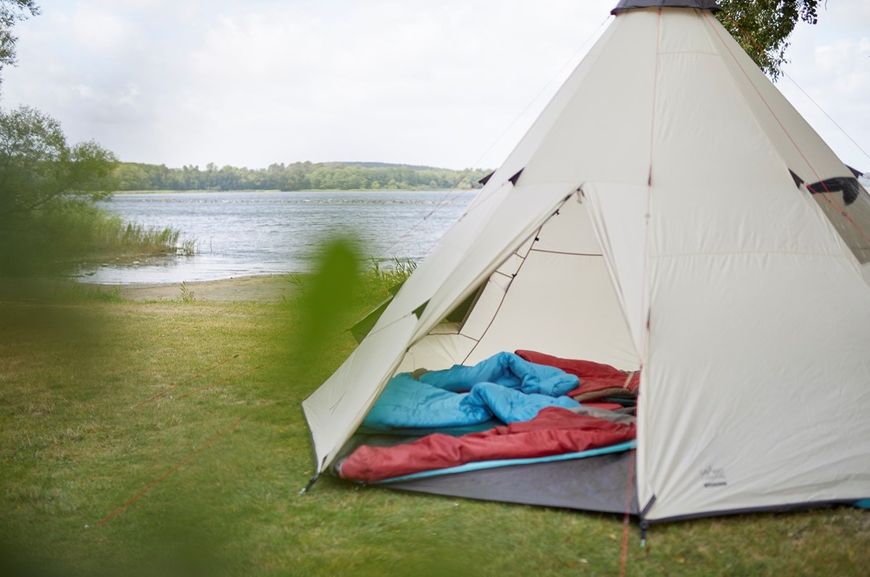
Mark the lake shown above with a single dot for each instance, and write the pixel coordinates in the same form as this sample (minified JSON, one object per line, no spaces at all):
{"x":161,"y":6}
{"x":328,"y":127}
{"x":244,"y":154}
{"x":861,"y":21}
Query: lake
{"x":243,"y":233}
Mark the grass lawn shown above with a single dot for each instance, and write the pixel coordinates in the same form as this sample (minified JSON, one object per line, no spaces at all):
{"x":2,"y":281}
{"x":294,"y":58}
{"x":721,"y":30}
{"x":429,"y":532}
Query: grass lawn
{"x":166,"y":438}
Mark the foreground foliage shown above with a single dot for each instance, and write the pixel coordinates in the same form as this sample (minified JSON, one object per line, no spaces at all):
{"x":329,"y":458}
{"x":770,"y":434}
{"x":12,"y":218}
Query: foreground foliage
{"x":166,"y":439}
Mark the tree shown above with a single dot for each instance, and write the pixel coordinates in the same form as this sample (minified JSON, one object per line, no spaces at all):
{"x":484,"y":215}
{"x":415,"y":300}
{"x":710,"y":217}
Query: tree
{"x":12,"y":11}
{"x":762,"y":27}
{"x":47,"y":189}
{"x":38,"y":168}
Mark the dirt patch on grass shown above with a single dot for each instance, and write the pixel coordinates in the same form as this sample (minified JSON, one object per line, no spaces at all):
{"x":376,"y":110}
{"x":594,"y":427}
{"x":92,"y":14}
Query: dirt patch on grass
{"x":269,"y":288}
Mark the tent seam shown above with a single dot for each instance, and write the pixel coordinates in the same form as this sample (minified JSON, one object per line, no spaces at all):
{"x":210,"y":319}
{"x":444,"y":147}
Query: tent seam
{"x":646,"y":285}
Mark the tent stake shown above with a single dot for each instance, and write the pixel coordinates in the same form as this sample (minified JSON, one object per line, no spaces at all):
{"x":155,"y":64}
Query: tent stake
{"x":310,"y":484}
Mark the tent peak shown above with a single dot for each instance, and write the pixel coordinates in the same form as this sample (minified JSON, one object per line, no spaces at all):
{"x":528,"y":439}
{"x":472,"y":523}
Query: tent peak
{"x":625,"y":5}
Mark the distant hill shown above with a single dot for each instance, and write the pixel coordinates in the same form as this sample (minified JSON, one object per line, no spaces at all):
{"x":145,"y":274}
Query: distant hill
{"x":296,"y":176}
{"x":381,"y":165}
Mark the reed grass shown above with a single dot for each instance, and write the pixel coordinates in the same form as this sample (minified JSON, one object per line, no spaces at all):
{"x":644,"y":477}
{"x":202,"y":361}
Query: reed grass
{"x":392,"y":274}
{"x":59,"y":239}
{"x":99,"y":234}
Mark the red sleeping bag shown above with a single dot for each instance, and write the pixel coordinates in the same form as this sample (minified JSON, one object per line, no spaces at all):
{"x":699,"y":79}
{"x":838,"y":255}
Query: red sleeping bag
{"x":554,"y":431}
{"x":596,"y":379}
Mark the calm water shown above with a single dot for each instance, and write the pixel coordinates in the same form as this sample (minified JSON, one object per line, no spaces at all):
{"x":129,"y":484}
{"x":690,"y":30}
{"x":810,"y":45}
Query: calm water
{"x":246,"y":233}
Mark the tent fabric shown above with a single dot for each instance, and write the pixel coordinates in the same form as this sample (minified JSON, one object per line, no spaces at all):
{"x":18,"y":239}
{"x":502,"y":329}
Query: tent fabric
{"x":532,"y":315}
{"x":716,"y":297}
{"x":618,"y":215}
{"x":334,"y":410}
{"x":520,"y":304}
{"x":656,"y":227}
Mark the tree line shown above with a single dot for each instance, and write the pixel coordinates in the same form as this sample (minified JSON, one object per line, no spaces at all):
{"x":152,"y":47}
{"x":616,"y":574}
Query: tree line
{"x":294,"y":176}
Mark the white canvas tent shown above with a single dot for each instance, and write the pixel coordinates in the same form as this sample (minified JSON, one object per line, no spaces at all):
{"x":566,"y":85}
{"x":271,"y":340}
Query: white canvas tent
{"x":669,"y":211}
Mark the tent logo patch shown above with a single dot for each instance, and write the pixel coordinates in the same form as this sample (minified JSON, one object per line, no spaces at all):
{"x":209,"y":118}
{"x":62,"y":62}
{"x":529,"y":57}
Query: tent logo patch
{"x":713,"y":477}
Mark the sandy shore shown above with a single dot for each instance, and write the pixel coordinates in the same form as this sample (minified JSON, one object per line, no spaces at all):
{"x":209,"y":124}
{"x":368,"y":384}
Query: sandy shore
{"x":249,"y":288}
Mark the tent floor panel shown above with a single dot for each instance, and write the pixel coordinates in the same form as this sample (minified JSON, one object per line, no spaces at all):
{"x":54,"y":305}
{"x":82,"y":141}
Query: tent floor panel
{"x":591,"y":484}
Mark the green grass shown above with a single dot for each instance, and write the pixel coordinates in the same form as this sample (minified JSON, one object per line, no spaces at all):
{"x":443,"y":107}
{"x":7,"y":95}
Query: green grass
{"x":189,"y":413}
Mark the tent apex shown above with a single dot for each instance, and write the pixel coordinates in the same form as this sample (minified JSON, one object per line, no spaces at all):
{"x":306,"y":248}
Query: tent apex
{"x":625,"y":5}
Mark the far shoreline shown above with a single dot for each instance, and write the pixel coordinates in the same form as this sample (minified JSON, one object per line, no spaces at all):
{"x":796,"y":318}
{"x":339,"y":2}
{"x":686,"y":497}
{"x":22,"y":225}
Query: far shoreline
{"x":272,"y":190}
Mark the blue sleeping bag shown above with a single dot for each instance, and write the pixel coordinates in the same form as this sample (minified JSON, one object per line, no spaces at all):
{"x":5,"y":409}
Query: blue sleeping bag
{"x":508,"y":370}
{"x":503,"y":386}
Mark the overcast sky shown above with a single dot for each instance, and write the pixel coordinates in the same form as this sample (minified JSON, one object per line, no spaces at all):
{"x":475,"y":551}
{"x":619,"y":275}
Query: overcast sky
{"x":449,"y":83}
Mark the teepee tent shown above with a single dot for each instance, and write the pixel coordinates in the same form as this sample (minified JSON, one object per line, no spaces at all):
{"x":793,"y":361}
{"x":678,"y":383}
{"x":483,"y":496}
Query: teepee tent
{"x":668,"y":212}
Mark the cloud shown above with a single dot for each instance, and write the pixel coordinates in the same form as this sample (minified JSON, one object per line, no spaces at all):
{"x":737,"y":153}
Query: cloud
{"x":451,"y":83}
{"x":379,"y":80}
{"x":96,"y":29}
{"x":264,"y":81}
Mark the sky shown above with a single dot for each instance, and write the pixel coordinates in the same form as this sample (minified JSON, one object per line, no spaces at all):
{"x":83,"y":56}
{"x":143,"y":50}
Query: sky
{"x":453,"y":83}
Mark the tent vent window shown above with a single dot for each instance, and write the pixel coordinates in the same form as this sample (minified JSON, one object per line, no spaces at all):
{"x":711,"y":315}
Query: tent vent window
{"x":848,"y":209}
{"x":460,"y":313}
